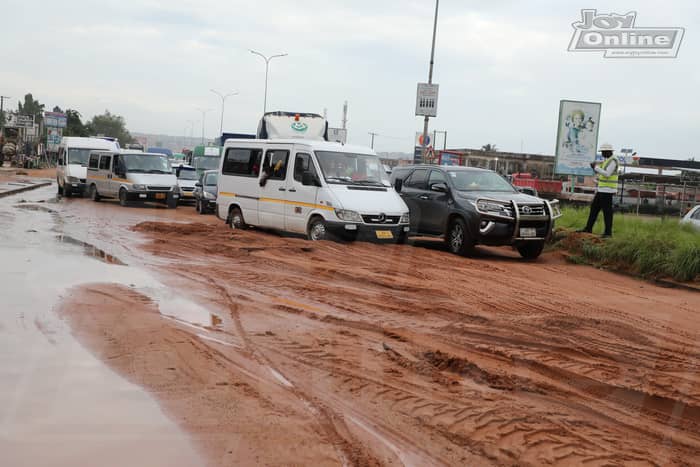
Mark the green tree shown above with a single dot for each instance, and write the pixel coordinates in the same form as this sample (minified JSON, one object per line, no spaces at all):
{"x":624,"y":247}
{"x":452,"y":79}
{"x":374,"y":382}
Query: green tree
{"x":57,"y":109}
{"x":75,"y":126}
{"x":31,"y":107}
{"x":489,"y":147}
{"x":111,"y":125}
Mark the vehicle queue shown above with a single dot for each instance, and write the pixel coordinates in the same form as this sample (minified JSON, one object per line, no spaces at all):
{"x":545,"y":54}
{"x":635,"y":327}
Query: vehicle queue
{"x":292,"y":179}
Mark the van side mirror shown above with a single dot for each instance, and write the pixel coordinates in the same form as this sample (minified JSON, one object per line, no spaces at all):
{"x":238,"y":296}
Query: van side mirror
{"x":198,"y":185}
{"x":309,"y":179}
{"x":438,"y":187}
{"x":398,"y":185}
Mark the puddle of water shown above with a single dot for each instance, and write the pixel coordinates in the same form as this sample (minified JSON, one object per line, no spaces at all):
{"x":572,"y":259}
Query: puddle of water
{"x":34,"y":207}
{"x":184,"y":310}
{"x":90,"y":250}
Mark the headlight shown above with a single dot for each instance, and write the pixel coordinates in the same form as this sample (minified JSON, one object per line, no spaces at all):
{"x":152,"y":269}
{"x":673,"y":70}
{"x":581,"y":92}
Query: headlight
{"x":495,"y":208}
{"x":73,"y":179}
{"x":348,"y":216}
{"x":139,"y":187}
{"x":208,"y":195}
{"x":176,"y":188}
{"x":405,"y":219}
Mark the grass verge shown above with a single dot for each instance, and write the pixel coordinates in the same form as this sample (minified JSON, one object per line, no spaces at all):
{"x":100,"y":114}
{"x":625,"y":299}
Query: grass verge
{"x":649,"y":247}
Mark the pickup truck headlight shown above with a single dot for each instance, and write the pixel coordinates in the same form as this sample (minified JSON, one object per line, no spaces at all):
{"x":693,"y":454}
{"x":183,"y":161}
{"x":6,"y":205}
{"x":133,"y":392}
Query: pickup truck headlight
{"x":348,"y":216}
{"x":405,"y":219}
{"x":495,"y":208}
{"x":139,"y":187}
{"x":208,"y":195}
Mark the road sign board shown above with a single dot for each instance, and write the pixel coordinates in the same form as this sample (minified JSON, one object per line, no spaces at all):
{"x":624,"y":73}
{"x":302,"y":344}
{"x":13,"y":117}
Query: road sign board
{"x":338,"y":135}
{"x":427,"y":99}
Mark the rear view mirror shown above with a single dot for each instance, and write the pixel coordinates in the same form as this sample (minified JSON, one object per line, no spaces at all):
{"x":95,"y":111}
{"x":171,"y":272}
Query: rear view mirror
{"x":398,"y":185}
{"x":198,"y":185}
{"x":439,"y":187}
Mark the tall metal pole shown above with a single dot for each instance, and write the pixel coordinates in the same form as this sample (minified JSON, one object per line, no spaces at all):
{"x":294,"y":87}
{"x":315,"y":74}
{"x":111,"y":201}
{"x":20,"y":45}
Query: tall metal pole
{"x":373,"y":135}
{"x":267,"y":71}
{"x":430,"y":76}
{"x":2,"y":112}
{"x":204,"y":117}
{"x":223,"y":106}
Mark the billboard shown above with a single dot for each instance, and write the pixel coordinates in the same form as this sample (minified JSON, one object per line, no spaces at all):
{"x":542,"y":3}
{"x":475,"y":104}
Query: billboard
{"x":55,"y":119}
{"x":427,"y":99}
{"x":577,"y":137}
{"x":53,"y":139}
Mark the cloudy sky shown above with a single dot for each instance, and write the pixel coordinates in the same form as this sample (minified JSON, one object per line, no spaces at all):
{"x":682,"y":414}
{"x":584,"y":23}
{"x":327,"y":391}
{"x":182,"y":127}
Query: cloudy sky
{"x":502,"y":67}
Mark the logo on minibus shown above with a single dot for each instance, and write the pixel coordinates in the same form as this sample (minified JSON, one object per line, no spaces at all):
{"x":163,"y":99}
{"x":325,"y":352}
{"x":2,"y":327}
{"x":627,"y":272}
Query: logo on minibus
{"x":301,"y":127}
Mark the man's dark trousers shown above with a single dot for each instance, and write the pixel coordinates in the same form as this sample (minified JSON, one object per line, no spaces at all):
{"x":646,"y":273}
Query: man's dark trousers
{"x":602,"y":201}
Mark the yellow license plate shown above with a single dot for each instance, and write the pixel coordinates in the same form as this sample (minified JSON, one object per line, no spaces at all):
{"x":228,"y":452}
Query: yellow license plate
{"x":384,"y":234}
{"x":160,"y":195}
{"x":188,"y":194}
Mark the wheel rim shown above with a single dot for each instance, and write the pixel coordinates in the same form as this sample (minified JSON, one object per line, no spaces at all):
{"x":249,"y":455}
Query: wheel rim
{"x":318,"y":231}
{"x":456,"y":237}
{"x":236,"y":220}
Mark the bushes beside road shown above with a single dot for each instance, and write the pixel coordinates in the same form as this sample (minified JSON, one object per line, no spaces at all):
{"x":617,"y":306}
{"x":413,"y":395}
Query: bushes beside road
{"x":649,"y":247}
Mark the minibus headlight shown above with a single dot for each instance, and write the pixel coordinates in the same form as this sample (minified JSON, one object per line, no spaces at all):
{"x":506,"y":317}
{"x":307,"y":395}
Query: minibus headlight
{"x":405,"y":219}
{"x":73,"y":179}
{"x":348,"y":216}
{"x":139,"y":187}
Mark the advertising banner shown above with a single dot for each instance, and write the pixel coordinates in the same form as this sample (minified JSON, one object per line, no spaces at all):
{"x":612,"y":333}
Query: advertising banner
{"x":577,"y":137}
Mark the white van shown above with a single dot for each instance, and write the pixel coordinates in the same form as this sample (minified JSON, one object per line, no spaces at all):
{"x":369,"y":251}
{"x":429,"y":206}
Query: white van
{"x":73,"y":153}
{"x":309,"y":187}
{"x":132,"y":176}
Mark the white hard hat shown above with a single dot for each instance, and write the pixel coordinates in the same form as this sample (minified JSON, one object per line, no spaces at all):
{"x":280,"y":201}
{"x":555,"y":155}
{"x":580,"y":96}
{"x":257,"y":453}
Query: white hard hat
{"x":606,"y":147}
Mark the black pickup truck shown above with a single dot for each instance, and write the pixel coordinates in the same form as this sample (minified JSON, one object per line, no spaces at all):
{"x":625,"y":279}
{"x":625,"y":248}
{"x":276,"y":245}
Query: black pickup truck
{"x":470,"y":206}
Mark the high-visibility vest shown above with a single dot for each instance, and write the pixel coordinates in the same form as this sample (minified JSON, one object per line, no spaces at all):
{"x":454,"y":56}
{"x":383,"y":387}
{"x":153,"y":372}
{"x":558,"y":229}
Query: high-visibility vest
{"x":611,"y":181}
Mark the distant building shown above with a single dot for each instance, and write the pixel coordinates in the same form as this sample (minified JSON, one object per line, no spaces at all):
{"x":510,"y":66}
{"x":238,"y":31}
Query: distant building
{"x":505,"y":163}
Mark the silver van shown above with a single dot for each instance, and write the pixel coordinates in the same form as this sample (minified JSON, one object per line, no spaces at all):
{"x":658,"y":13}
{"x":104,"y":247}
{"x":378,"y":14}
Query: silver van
{"x":132,"y":177}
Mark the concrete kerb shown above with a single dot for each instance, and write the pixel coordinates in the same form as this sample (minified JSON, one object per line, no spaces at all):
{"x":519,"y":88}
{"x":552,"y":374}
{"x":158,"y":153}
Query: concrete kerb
{"x":18,"y":190}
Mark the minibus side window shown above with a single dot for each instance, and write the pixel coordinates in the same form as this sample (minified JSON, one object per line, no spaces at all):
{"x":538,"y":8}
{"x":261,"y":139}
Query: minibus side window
{"x":242,"y":162}
{"x":105,"y":162}
{"x":303,"y":163}
{"x":94,"y":161}
{"x":276,"y":164}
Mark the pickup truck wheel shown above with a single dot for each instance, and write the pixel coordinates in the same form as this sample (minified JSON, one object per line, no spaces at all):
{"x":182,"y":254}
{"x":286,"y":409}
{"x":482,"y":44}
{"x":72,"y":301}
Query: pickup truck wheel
{"x":199,"y":207}
{"x":171,"y":203}
{"x":236,"y":220}
{"x":458,"y":239}
{"x":317,"y":230}
{"x":94,"y":194}
{"x":530,"y":250}
{"x":122,"y":198}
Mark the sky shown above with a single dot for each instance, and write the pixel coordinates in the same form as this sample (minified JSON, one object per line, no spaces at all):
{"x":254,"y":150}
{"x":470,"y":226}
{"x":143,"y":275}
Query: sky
{"x":502,"y":66}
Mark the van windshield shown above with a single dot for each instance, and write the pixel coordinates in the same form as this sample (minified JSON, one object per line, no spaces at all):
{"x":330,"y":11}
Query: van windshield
{"x":135,"y":163}
{"x":187,"y":174}
{"x":79,"y":156}
{"x":351,"y":169}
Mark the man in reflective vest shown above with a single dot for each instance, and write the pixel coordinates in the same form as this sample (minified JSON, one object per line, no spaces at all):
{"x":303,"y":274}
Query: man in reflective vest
{"x":607,"y":188}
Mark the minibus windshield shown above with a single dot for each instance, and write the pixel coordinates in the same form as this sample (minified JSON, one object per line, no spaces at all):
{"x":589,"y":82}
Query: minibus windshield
{"x":352,"y":169}
{"x":79,"y":156}
{"x":147,"y":164}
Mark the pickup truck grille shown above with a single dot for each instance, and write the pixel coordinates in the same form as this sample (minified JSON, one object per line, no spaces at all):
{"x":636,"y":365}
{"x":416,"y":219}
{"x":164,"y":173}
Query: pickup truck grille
{"x":186,"y":188}
{"x":536,"y":210}
{"x":159,"y":188}
{"x":379,"y":219}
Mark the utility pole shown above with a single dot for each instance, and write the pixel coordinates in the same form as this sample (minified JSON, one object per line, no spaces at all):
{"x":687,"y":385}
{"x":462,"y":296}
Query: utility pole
{"x":373,"y":135}
{"x":204,"y":116}
{"x":430,"y":77}
{"x":2,"y":112}
{"x":223,"y":107}
{"x":267,"y":71}
{"x":345,"y":115}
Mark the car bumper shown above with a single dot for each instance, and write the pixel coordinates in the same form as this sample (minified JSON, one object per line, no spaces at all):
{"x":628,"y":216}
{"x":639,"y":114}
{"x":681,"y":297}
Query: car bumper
{"x":386,"y":233}
{"x":497,"y":230}
{"x":76,"y":187}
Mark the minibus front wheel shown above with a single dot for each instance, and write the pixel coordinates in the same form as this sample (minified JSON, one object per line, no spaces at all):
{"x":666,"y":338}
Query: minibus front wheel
{"x":317,"y":229}
{"x":236,"y":219}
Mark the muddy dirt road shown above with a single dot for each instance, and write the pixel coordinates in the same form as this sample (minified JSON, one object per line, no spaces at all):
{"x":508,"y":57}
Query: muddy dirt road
{"x":275,"y":351}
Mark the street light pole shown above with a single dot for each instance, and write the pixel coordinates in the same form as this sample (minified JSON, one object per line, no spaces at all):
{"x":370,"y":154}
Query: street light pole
{"x":223,"y":105}
{"x":373,"y":135}
{"x":430,"y":76}
{"x":204,"y":116}
{"x":2,"y":111}
{"x":267,"y":71}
